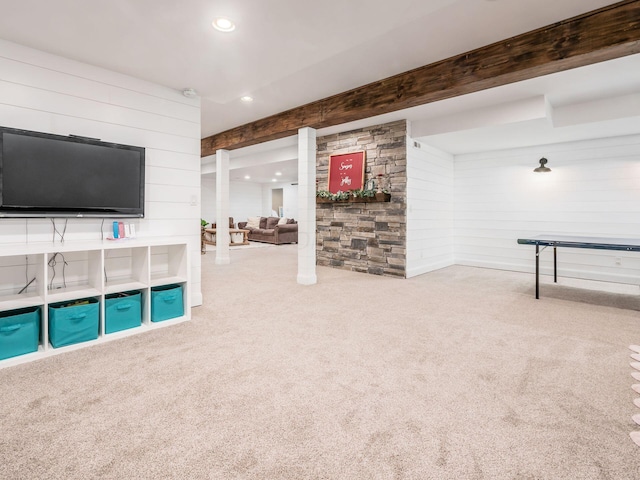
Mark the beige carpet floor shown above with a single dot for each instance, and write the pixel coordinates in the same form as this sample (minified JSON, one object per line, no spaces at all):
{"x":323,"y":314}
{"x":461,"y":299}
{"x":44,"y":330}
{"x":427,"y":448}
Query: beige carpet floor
{"x":457,"y":374}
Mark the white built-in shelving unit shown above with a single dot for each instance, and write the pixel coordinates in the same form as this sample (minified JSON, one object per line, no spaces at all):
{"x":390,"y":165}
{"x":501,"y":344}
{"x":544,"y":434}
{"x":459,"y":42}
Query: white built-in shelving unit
{"x":76,"y":270}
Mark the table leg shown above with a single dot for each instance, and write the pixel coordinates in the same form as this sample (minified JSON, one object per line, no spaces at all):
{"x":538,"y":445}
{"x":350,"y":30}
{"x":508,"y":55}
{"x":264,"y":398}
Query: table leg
{"x":537,"y":271}
{"x":555,"y":268}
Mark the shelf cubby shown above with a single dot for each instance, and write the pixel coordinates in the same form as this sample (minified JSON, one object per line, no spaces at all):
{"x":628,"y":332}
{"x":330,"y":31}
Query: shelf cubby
{"x":64,"y":272}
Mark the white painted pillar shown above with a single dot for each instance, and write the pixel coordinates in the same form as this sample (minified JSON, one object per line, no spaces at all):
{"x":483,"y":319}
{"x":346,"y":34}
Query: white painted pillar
{"x":222,"y":208}
{"x":307,"y":206}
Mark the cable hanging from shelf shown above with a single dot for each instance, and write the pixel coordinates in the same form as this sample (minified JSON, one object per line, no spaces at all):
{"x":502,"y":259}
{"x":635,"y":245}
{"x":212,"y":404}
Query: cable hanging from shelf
{"x":55,"y":230}
{"x":52,"y":263}
{"x":26,"y":275}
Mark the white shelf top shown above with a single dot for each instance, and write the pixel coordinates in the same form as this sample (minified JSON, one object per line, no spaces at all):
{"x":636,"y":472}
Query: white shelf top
{"x":163,"y":279}
{"x":72,"y":293}
{"x":123,"y":285}
{"x":12,"y":249}
{"x":12,"y":302}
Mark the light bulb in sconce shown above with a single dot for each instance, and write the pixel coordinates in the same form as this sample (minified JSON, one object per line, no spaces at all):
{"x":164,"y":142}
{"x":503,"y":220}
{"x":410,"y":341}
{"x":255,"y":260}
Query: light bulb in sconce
{"x":542,"y":168}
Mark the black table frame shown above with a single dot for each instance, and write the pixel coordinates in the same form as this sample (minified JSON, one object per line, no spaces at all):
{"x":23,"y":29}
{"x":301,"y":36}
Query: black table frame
{"x":555,"y":241}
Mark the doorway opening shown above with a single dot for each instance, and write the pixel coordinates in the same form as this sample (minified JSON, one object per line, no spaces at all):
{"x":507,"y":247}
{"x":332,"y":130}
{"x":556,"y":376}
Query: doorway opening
{"x":277,"y":201}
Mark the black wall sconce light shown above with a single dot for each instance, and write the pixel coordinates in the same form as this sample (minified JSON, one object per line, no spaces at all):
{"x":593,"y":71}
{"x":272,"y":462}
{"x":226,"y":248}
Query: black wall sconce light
{"x":542,"y":167}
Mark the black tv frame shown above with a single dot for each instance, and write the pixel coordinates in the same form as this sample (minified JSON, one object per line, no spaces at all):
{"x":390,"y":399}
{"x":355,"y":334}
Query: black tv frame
{"x":74,"y":211}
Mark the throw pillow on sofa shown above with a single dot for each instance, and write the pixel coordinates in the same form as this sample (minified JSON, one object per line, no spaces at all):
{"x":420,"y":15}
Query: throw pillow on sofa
{"x":272,"y":222}
{"x":252,"y":222}
{"x":282,"y":221}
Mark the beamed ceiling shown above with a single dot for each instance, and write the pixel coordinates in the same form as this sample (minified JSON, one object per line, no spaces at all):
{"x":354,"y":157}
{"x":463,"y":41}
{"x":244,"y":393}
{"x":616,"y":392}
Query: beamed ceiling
{"x":297,"y":58}
{"x":607,"y":33}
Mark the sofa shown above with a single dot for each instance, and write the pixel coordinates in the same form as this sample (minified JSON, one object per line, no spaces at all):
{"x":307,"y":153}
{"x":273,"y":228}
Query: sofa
{"x":271,"y":229}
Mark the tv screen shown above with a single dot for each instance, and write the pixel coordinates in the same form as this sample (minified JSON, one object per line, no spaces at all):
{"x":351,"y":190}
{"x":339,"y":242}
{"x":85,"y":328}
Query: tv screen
{"x":43,"y":175}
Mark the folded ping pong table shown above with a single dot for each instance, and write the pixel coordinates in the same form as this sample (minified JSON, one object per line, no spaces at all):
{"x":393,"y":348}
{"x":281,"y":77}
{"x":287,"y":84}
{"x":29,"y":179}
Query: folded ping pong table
{"x":555,"y":241}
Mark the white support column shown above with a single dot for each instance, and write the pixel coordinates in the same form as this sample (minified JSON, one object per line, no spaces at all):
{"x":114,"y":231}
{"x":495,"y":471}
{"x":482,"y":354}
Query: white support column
{"x":222,"y":208}
{"x":307,"y":206}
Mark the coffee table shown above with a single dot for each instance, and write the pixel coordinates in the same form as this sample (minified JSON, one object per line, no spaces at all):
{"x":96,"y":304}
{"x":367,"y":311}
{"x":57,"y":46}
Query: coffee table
{"x":245,"y":236}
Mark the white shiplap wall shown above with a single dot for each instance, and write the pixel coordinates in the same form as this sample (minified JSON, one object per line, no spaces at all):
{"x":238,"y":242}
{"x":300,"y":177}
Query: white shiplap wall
{"x":47,"y":93}
{"x":429,"y":209}
{"x":593,"y":190}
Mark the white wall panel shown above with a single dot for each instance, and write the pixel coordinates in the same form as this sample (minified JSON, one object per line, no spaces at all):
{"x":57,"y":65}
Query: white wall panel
{"x":74,"y":106}
{"x":90,"y":79}
{"x":429,"y":209}
{"x":51,"y":94}
{"x":51,"y":122}
{"x":592,"y":190}
{"x":172,"y":176}
{"x":208,"y":189}
{"x":168,"y":159}
{"x":290,"y":201}
{"x":245,"y":200}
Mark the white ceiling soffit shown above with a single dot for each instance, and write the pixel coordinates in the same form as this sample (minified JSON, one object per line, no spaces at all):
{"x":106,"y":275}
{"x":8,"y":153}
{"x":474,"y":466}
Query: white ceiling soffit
{"x":496,"y":114}
{"x":622,"y":107}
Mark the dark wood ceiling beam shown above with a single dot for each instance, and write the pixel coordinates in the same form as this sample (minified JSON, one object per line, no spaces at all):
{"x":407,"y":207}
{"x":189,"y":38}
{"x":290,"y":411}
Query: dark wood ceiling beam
{"x":593,"y":37}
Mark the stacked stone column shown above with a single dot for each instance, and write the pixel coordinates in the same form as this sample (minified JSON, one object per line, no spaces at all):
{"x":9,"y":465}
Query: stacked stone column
{"x":366,"y":237}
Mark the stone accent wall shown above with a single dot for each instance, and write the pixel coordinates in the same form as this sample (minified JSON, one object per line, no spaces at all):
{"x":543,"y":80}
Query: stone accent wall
{"x":366,"y":237}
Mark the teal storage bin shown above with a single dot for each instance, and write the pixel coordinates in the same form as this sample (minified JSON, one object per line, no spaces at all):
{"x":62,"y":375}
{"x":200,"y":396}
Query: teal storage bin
{"x":74,"y":322}
{"x":166,"y":302}
{"x":122,"y":311}
{"x":19,"y":332}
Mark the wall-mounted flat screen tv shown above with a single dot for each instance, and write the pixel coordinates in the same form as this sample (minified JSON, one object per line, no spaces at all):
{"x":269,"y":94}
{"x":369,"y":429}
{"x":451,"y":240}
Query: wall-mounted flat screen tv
{"x":44,"y":175}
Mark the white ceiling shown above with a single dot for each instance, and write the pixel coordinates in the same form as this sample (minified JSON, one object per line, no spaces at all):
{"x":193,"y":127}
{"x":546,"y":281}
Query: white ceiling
{"x":286,"y":53}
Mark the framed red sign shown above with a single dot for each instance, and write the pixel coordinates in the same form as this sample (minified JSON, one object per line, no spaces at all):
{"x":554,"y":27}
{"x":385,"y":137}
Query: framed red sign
{"x":346,"y":172}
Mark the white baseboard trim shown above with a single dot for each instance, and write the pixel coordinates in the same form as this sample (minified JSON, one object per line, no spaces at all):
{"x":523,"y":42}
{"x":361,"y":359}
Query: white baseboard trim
{"x":422,"y":269}
{"x":196,"y":299}
{"x":548,"y":271}
{"x":306,"y":279}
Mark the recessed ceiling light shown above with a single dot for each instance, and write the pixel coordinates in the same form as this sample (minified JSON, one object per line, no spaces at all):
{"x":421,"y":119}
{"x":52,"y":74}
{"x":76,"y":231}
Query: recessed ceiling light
{"x":246,"y":98}
{"x":223,"y":24}
{"x":278,"y":174}
{"x":273,"y":179}
{"x":247,"y":177}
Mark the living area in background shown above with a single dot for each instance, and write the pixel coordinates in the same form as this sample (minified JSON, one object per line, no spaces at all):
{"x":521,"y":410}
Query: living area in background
{"x":274,"y":230}
{"x":263,"y":198}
